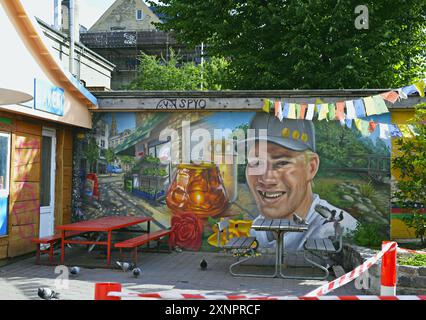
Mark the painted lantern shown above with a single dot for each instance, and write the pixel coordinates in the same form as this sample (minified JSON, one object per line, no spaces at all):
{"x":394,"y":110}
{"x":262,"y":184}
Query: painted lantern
{"x":197,"y":189}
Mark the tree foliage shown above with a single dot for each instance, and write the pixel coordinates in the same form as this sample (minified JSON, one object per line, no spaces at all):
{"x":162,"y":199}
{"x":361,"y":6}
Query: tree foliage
{"x":171,"y":74}
{"x":110,"y":156}
{"x":342,"y":147}
{"x":91,"y":152}
{"x":309,"y":44}
{"x":410,"y":162}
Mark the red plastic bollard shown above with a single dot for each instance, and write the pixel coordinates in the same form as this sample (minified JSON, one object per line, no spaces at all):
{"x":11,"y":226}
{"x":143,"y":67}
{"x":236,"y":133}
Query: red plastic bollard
{"x":388,"y":278}
{"x":102,"y":290}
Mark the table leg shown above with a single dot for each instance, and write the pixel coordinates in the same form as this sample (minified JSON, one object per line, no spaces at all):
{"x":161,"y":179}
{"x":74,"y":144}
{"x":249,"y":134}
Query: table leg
{"x":109,"y":249}
{"x":51,"y":253}
{"x":149,"y":231}
{"x":63,"y":247}
{"x":279,"y":252}
{"x":290,"y":277}
{"x":38,"y":254}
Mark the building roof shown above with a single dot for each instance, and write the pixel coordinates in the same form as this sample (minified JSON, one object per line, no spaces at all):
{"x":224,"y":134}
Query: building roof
{"x":121,"y":13}
{"x":30,"y":33}
{"x":79,"y":45}
{"x":142,"y":132}
{"x":231,"y":100}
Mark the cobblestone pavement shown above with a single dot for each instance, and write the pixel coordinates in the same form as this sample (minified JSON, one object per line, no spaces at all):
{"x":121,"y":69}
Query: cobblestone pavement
{"x":160,"y":271}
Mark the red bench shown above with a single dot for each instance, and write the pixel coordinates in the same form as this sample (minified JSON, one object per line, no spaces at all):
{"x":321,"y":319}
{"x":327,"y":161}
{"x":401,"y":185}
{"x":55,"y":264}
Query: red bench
{"x":51,"y":240}
{"x":136,"y":242}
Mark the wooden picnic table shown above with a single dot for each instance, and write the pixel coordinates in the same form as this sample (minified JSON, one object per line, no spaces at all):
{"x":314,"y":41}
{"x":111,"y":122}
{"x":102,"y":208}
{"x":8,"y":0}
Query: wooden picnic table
{"x":105,"y":224}
{"x":279,"y":227}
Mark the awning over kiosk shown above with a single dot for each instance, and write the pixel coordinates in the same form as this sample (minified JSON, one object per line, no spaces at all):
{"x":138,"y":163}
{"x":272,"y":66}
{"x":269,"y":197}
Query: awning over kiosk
{"x":8,"y":96}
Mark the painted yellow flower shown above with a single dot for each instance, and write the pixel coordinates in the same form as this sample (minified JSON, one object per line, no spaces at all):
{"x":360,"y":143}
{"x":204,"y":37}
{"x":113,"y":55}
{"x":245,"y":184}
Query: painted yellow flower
{"x":237,"y":228}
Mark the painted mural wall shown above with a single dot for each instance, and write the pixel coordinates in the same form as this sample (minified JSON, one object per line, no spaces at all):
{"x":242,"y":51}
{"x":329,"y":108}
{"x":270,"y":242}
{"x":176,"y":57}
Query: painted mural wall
{"x":190,"y":170}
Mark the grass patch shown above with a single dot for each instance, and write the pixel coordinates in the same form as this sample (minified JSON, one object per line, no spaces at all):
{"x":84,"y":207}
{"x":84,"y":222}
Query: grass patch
{"x":368,"y":235}
{"x":367,"y":190}
{"x":329,"y":191}
{"x":418,"y":260}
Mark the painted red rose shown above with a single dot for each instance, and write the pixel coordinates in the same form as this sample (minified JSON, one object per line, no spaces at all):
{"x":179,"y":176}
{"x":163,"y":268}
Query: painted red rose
{"x":187,"y":231}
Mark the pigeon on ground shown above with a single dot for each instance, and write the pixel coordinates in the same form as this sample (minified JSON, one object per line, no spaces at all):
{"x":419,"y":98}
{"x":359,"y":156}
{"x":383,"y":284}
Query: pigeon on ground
{"x":126,"y":266}
{"x":203,"y":264}
{"x":136,"y":272}
{"x":75,"y":271}
{"x":47,"y":294}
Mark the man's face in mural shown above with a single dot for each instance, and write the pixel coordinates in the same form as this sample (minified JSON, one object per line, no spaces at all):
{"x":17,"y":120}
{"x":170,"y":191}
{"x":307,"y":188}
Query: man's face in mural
{"x":285,"y":186}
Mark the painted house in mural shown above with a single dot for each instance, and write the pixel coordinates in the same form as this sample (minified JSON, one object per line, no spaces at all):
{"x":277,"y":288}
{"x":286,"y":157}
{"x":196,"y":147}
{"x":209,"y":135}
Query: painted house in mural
{"x":41,"y":105}
{"x":123,"y":31}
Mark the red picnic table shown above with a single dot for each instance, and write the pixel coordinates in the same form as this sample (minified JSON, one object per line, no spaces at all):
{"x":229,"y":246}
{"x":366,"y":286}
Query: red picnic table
{"x":106,"y":224}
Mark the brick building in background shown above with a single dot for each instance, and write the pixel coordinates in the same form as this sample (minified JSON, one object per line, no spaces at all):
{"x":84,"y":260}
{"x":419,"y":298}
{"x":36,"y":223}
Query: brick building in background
{"x":125,"y":30}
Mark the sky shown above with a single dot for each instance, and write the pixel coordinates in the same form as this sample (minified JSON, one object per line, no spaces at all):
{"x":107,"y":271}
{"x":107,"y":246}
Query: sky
{"x":90,"y":10}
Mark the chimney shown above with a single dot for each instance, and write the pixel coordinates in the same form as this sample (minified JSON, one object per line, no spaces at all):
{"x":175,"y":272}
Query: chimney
{"x":70,"y":25}
{"x":57,"y":15}
{"x":66,"y":18}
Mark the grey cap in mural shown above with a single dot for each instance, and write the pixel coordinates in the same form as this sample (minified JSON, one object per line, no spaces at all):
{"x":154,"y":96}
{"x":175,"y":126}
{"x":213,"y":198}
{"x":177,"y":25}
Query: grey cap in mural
{"x":293,"y":134}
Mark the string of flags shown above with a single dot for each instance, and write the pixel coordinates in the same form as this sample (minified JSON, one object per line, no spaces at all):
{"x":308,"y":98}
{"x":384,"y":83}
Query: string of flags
{"x":352,"y":111}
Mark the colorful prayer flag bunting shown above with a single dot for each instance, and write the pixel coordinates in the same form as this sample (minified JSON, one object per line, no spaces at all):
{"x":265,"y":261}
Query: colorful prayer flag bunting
{"x":359,"y":108}
{"x":292,"y":111}
{"x":350,"y":110}
{"x":303,"y":108}
{"x":323,"y":111}
{"x":310,"y":112}
{"x":390,"y":96}
{"x":405,"y":130}
{"x":371,"y":126}
{"x":266,"y":105}
{"x":380,"y":104}
{"x":384,"y":131}
{"x":420,"y":87}
{"x":408,"y":90}
{"x":370,"y":107}
{"x":331,"y":111}
{"x":394,"y":131}
{"x":277,"y":106}
{"x":280,"y":115}
{"x":413,"y":130}
{"x":340,"y":111}
{"x":297,"y":109}
{"x":365,"y":128}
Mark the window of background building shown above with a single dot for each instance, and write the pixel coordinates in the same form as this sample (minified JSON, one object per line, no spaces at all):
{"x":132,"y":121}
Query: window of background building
{"x":4,"y":164}
{"x":139,"y":15}
{"x":4,"y":180}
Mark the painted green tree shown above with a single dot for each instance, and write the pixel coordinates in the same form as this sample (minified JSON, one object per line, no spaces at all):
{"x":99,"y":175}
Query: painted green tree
{"x":172,"y":74}
{"x":308,"y":44}
{"x":91,"y":153}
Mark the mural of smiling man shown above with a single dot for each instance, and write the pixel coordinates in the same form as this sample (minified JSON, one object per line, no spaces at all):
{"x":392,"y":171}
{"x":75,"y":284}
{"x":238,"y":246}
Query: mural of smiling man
{"x":284,"y":188}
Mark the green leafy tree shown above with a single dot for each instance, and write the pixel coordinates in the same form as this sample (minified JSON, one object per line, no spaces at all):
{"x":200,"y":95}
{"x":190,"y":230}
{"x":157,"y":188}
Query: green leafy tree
{"x":126,"y":161}
{"x":410,"y":162}
{"x":110,"y":156}
{"x":306,"y":44}
{"x":161,"y":74}
{"x":91,"y":152}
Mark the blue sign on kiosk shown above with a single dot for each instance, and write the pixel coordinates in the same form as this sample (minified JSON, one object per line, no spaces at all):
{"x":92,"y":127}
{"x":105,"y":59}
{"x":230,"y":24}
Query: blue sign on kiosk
{"x":48,"y":98}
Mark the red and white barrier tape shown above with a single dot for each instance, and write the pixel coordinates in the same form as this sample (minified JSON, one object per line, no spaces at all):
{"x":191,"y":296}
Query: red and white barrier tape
{"x":411,"y":251}
{"x":187,"y":296}
{"x":355,"y":273}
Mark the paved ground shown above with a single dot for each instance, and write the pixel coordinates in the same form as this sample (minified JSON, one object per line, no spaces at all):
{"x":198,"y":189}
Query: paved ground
{"x":160,"y":271}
